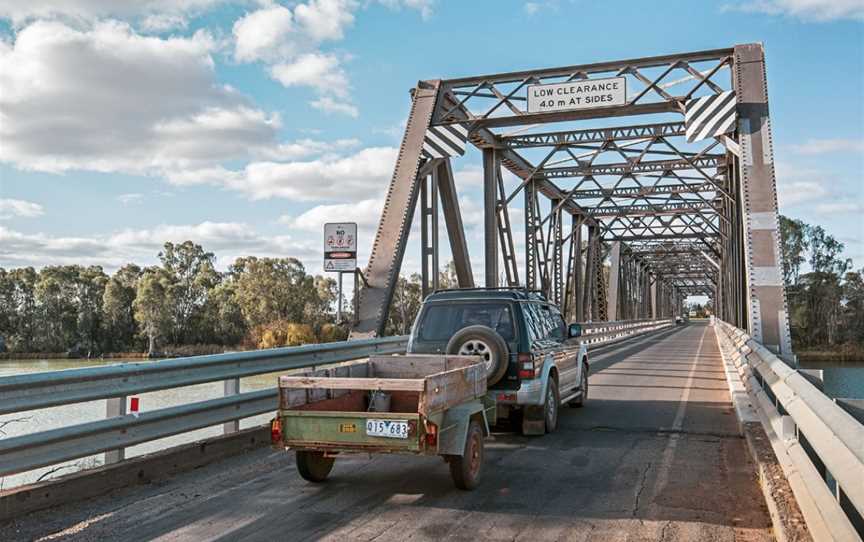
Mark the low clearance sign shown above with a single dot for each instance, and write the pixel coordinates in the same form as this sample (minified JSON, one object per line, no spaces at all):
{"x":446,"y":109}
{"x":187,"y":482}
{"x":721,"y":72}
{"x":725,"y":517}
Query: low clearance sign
{"x":582,"y":94}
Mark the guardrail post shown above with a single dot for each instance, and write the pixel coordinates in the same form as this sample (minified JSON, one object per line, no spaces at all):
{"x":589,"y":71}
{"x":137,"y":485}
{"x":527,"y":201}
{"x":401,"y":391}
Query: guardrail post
{"x":232,"y":387}
{"x":114,"y":407}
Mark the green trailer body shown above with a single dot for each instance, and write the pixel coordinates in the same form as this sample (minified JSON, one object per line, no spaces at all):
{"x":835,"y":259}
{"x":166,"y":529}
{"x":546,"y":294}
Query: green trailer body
{"x":436,"y":405}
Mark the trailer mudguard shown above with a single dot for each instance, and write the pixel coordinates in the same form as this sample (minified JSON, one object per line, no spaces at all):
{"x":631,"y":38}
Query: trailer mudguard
{"x":454,"y":427}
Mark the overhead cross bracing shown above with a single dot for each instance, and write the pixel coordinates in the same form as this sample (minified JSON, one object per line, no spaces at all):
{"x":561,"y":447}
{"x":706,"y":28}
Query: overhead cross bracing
{"x":621,"y":213}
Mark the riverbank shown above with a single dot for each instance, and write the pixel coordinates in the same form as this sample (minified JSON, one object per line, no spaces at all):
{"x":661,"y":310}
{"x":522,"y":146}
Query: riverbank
{"x":845,"y":353}
{"x":170,"y":352}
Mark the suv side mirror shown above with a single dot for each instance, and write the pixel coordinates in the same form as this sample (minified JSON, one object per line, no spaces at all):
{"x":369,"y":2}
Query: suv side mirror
{"x":574,"y":330}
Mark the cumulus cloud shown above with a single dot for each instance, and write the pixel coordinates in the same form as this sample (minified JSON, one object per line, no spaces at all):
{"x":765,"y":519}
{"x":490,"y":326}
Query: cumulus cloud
{"x":317,"y":70}
{"x":21,"y":11}
{"x":228,"y":239}
{"x":825,"y":146}
{"x":266,"y":34}
{"x":142,"y":104}
{"x":344,"y":178}
{"x":807,"y":10}
{"x":840,"y":207}
{"x":365,"y":213}
{"x":331,"y":105}
{"x":10,"y":208}
{"x":797,"y":192}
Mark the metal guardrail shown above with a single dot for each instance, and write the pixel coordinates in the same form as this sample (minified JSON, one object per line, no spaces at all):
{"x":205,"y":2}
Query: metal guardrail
{"x":116,"y":382}
{"x":597,"y":333}
{"x":40,"y":390}
{"x":823,"y":441}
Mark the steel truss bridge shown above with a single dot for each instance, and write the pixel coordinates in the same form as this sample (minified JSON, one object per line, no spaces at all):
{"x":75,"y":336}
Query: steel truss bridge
{"x":623,"y":216}
{"x":624,"y":213}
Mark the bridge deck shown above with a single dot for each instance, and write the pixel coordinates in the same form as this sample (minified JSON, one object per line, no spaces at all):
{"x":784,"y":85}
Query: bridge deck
{"x":654,"y":455}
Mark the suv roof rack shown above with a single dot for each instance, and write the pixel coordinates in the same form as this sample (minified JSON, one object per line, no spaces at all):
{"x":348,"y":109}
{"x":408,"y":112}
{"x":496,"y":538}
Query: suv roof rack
{"x":515,"y":289}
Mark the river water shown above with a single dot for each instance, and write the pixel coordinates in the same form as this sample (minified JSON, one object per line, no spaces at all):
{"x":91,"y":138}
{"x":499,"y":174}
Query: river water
{"x":840,"y":379}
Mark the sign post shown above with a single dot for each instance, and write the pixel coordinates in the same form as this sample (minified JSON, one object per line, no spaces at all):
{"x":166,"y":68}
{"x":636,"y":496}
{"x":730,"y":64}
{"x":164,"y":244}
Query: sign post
{"x":340,"y":253}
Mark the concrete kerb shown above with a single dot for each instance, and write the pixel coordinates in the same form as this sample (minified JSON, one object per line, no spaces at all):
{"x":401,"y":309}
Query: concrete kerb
{"x":18,"y":501}
{"x":786,"y":515}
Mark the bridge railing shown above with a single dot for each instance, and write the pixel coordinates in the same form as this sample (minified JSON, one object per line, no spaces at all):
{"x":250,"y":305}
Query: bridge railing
{"x":823,"y":442}
{"x":115,"y":382}
{"x":597,"y":333}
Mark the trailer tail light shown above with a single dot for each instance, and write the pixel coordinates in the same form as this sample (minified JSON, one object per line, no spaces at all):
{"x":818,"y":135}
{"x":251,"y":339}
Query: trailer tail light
{"x":431,"y":435}
{"x":526,"y":365}
{"x":275,"y":432}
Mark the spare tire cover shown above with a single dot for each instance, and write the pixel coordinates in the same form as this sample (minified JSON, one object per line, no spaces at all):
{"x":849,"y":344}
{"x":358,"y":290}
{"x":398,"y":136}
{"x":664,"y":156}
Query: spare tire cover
{"x":485,"y":342}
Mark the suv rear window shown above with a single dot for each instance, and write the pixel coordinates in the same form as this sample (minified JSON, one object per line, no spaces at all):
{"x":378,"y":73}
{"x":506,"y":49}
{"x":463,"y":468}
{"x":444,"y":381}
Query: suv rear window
{"x":440,"y":322}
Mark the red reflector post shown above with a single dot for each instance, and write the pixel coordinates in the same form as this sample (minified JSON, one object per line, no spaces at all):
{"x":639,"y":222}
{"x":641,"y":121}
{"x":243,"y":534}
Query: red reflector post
{"x":134,"y":403}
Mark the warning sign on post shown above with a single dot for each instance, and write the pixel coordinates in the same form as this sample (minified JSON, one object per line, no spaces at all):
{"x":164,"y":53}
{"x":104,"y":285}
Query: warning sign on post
{"x":340,"y":246}
{"x":582,"y":94}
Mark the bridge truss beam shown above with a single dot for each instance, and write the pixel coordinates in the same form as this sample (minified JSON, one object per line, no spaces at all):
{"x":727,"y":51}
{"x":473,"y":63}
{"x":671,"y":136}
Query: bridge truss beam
{"x":654,"y":216}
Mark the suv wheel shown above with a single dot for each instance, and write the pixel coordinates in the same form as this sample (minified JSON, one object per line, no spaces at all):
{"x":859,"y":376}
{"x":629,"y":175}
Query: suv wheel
{"x":583,"y":386}
{"x":484,"y":342}
{"x":550,"y":406}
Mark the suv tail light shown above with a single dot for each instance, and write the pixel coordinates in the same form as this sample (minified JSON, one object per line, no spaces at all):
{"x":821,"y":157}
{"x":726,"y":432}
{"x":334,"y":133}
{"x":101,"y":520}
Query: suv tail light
{"x":526,"y":365}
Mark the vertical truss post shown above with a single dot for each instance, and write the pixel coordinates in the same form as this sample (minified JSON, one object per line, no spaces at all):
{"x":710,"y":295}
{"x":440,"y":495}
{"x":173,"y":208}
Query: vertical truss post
{"x":490,"y":211}
{"x":576,"y":272}
{"x":588,"y":293}
{"x":453,"y":220}
{"x":531,"y":227}
{"x":429,"y":233}
{"x":769,"y":322}
{"x":652,"y":292}
{"x":505,"y":233}
{"x":557,"y":240}
{"x":614,"y":277}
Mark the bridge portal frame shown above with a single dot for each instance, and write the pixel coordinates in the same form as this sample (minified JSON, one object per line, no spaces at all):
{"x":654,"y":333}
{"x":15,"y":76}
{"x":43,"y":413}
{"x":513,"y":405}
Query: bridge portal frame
{"x":714,"y":204}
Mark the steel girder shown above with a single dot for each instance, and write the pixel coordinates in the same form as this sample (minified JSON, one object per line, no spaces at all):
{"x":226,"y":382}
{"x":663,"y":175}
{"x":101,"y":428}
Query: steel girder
{"x":675,"y":211}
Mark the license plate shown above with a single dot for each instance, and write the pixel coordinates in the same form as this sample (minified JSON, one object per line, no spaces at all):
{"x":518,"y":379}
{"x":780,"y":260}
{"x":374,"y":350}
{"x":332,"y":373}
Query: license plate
{"x":387,"y":428}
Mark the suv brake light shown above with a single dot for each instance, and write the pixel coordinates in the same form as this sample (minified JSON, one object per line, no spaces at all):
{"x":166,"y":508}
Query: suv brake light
{"x":526,"y":365}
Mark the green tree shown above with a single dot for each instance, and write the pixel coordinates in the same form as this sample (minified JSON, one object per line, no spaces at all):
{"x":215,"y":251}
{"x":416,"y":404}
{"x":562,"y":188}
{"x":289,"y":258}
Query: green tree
{"x":118,"y":314}
{"x":151,"y":306}
{"x":270,"y":289}
{"x":405,"y":306}
{"x":223,"y":321}
{"x":191,"y":276}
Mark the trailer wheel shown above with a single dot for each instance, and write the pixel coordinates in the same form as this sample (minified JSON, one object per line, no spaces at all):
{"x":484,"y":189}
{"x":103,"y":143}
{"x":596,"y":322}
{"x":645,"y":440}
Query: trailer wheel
{"x":466,"y":468}
{"x":313,"y":466}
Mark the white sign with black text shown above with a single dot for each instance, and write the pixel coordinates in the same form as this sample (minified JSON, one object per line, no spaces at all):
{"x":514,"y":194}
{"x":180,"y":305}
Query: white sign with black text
{"x":340,"y":246}
{"x":583,"y":94}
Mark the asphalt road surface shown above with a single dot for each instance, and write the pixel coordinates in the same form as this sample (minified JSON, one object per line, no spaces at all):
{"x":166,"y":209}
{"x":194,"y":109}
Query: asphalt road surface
{"x":654,"y":455}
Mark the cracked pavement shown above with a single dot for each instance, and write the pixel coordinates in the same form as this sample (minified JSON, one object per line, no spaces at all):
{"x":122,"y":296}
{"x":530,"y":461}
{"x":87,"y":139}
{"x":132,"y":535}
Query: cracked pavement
{"x":633,"y":464}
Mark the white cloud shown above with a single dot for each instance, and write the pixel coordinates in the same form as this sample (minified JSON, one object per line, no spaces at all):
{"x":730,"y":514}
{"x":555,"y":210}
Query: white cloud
{"x":360,"y":175}
{"x":131,"y":198}
{"x":365,"y":213}
{"x":797,"y":192}
{"x":825,"y":146}
{"x":840,"y":207}
{"x":266,"y":34}
{"x":423,"y":6}
{"x":163,"y":22}
{"x":108,"y":99}
{"x":228,"y":239}
{"x":317,"y":70}
{"x":331,"y":105}
{"x":325,"y":19}
{"x":10,"y":208}
{"x":807,"y":10}
{"x":531,"y":7}
{"x":20,"y":11}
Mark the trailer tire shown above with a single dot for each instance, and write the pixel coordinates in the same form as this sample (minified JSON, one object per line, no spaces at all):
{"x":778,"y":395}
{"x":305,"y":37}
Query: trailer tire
{"x":313,"y":466}
{"x":485,"y":342}
{"x":467,"y":468}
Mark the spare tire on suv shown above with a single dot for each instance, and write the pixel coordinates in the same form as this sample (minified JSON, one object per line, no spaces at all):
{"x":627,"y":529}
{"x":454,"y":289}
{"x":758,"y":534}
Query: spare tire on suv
{"x":484,"y":342}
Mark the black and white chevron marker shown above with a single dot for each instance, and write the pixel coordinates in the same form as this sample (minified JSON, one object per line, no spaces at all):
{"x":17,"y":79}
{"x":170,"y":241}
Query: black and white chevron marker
{"x":444,"y":141}
{"x":710,"y":116}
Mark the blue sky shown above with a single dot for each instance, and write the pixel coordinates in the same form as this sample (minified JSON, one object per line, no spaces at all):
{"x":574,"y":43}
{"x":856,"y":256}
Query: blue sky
{"x":245,"y":125}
